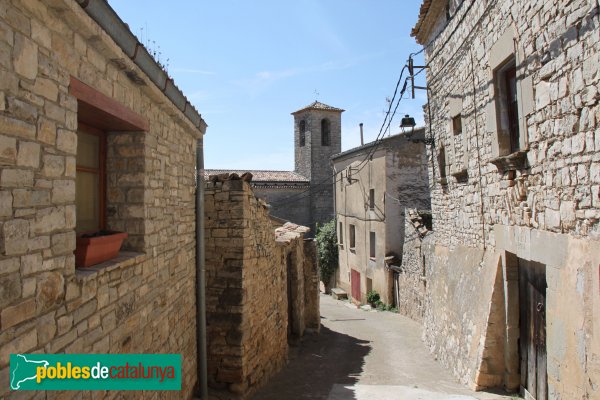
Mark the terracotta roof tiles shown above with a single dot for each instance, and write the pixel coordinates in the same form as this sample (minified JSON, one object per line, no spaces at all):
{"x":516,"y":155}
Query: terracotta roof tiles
{"x":261,"y":175}
{"x":318,"y":106}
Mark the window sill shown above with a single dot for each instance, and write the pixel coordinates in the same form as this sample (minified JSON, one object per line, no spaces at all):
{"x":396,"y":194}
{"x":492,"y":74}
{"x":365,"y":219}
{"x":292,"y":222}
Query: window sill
{"x":340,"y":245}
{"x":352,"y":249}
{"x":461,"y":175}
{"x":124,"y":259}
{"x":442,"y":181}
{"x":514,"y":161}
{"x":372,"y":258}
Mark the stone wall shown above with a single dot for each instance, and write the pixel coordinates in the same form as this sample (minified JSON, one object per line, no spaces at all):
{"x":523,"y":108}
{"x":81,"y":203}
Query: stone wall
{"x":411,"y":280}
{"x":141,"y":302}
{"x":261,"y":288}
{"x":290,"y":203}
{"x":312,"y":161}
{"x":493,"y":206}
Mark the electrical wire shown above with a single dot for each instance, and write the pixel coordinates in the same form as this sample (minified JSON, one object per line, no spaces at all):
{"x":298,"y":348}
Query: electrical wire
{"x":375,"y":144}
{"x":379,"y":138}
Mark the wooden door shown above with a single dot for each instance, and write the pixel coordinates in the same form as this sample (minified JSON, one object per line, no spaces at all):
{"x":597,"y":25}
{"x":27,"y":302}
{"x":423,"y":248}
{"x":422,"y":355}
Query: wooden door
{"x":355,"y":282}
{"x":532,"y":321}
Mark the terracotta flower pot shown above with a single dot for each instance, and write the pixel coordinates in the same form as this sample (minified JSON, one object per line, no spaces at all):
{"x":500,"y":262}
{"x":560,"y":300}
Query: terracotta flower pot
{"x":96,"y":247}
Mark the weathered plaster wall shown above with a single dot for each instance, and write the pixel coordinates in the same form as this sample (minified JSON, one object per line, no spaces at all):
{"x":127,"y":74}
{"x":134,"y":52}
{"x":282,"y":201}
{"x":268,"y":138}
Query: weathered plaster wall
{"x":261,"y":288}
{"x":457,"y":305}
{"x":407,"y":185}
{"x":397,"y":173}
{"x":143,"y":301}
{"x":554,"y":196}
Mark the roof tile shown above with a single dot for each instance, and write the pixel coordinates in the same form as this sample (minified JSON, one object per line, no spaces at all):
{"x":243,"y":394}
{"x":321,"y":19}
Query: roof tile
{"x":261,"y":175}
{"x":316,"y":105}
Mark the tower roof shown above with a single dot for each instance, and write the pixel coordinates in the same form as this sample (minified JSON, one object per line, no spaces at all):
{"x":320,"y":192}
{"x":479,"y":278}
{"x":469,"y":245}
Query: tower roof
{"x":318,"y":106}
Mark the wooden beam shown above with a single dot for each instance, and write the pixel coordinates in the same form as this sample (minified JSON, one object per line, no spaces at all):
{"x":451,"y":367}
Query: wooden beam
{"x":103,"y":112}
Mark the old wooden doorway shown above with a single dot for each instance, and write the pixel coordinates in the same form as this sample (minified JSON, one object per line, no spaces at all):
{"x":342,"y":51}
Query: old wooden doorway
{"x":355,"y":282}
{"x":532,"y":322}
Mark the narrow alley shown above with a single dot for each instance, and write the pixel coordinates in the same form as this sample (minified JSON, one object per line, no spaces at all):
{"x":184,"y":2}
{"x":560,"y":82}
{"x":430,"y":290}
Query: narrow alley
{"x":364,"y":355}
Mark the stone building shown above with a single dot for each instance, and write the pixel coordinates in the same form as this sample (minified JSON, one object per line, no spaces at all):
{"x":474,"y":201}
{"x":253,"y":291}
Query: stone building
{"x":262,"y":287}
{"x":305,"y":195}
{"x":512,"y":266}
{"x":411,"y":287}
{"x":374,"y":183}
{"x":276,"y":187}
{"x":93,"y":135}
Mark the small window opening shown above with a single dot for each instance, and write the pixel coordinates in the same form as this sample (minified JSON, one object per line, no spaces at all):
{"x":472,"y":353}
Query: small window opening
{"x":372,"y":244}
{"x":457,"y":124}
{"x":442,"y":162}
{"x":505,"y":80}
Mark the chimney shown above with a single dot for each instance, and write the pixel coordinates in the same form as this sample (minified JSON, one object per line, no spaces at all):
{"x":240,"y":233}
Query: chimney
{"x":362,"y":141}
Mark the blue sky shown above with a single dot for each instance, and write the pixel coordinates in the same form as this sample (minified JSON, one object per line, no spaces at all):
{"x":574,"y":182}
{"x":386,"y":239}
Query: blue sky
{"x":246,"y":65}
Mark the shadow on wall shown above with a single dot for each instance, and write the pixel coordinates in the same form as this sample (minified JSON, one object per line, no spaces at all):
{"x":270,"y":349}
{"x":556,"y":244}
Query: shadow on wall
{"x":319,"y":362}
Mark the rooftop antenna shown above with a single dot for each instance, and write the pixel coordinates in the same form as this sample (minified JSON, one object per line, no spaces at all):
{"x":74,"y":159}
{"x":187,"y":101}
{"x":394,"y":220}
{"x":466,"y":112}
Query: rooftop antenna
{"x":316,"y":95}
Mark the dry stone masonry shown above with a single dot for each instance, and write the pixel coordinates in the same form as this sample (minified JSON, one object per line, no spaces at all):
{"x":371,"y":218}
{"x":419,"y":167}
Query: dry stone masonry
{"x":262,"y":287}
{"x":412,"y":282}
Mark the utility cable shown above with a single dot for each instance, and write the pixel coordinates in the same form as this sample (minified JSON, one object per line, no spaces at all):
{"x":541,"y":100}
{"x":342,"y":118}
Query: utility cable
{"x":376,"y":142}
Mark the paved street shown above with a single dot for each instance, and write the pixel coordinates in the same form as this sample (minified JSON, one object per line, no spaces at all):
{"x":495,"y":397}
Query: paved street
{"x":364,"y":355}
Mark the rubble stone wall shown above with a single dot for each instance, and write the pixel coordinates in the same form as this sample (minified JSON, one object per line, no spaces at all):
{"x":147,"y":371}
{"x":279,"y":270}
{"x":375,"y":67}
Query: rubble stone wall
{"x":142,"y":302}
{"x":542,"y":204}
{"x":411,"y":280}
{"x":259,"y":288}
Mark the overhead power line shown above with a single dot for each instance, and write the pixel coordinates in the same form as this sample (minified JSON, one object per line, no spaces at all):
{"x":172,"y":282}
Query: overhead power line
{"x":389,"y":116}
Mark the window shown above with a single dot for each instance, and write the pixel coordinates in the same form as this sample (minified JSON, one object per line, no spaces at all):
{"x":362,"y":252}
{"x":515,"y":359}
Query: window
{"x":457,"y":124}
{"x":302,"y":133}
{"x":510,"y":78}
{"x":513,"y":101}
{"x":90,"y":181}
{"x":372,"y":199}
{"x":341,"y":233}
{"x":442,"y":162}
{"x":505,"y":80}
{"x":99,"y":155}
{"x":325,"y":132}
{"x":352,"y":236}
{"x":372,"y":244}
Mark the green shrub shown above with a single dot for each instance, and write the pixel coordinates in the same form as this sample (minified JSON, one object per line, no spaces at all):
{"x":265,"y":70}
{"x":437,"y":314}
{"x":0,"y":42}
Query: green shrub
{"x":327,"y":250}
{"x":373,"y":297}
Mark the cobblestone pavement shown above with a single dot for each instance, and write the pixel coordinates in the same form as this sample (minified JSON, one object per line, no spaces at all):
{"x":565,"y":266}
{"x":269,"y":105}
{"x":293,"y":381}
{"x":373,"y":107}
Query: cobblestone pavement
{"x":364,"y":355}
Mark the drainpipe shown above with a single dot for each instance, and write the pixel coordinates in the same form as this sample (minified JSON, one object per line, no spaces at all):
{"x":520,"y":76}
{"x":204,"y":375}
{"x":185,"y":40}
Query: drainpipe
{"x":335,"y":204}
{"x":200,"y":275}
